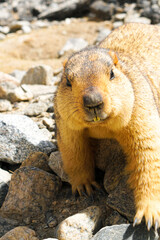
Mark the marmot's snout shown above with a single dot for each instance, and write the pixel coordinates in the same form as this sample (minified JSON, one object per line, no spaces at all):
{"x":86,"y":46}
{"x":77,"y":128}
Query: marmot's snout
{"x":93,"y":105}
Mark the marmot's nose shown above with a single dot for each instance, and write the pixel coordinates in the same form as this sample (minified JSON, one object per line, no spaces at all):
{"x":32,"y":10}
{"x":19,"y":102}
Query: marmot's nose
{"x":92,"y":100}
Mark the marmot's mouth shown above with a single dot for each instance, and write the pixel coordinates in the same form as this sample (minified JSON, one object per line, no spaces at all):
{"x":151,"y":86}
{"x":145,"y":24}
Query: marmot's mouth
{"x":96,"y":119}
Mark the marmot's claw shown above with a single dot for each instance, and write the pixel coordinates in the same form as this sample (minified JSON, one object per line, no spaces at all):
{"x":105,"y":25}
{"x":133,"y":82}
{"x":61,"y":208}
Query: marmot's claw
{"x":149,"y":225}
{"x":156,"y":225}
{"x":136,"y":221}
{"x":85,"y":189}
{"x":150,"y":210}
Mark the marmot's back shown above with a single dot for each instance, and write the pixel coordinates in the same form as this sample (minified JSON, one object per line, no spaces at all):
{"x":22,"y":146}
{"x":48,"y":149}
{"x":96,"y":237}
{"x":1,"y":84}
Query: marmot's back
{"x":140,"y":43}
{"x":133,"y":39}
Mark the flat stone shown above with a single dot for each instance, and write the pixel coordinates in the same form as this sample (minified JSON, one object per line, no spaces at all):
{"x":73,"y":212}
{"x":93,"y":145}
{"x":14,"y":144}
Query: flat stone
{"x":81,"y":225}
{"x":24,"y":233}
{"x":134,"y":18}
{"x":37,"y":159}
{"x":56,"y":164}
{"x":19,"y":136}
{"x":7,"y":84}
{"x":38,"y":90}
{"x":127,"y":232}
{"x":18,"y":94}
{"x":5,"y":105}
{"x":34,"y":109}
{"x":31,"y":192}
{"x":41,"y":74}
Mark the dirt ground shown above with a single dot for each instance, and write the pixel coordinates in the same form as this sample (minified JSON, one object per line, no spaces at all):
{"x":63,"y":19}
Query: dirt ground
{"x":41,"y":46}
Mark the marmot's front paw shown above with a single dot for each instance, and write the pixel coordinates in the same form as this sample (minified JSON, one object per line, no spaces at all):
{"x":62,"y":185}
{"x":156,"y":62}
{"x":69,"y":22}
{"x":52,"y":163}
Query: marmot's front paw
{"x":150,"y":210}
{"x":84,"y":187}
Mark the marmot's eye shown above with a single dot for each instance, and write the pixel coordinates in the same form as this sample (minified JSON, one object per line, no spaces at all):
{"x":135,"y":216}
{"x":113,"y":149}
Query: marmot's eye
{"x":112,"y":76}
{"x":68,"y":83}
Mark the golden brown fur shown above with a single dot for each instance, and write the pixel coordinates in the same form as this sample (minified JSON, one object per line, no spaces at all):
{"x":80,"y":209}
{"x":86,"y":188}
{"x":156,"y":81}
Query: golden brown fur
{"x":122,"y":78}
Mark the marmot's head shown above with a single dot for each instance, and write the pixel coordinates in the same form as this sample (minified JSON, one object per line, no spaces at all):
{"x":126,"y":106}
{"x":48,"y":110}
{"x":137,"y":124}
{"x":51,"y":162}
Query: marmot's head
{"x":94,"y":90}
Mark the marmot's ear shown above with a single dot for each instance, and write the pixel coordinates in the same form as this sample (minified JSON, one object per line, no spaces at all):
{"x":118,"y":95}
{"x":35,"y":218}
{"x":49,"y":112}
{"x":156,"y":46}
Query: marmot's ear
{"x":114,"y":57}
{"x":64,"y":62}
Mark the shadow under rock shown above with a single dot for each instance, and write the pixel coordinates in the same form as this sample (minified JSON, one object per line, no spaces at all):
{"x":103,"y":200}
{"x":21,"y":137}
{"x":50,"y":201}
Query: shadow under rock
{"x":140,"y":232}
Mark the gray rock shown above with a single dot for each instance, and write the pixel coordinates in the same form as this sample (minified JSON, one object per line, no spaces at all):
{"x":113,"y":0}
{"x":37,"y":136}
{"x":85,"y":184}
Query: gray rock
{"x":19,"y":94}
{"x":81,"y":225}
{"x":41,"y":24}
{"x":134,"y":18}
{"x":56,"y":164}
{"x":39,"y":90}
{"x":41,"y":74}
{"x":6,"y":225}
{"x":102,"y":9}
{"x":119,"y":16}
{"x":19,"y":136}
{"x":5,"y":16}
{"x":5,"y":105}
{"x":127,"y":232}
{"x":73,"y":44}
{"x":5,"y":178}
{"x":34,"y":109}
{"x":7,"y":84}
{"x":143,"y":3}
{"x":117,"y":24}
{"x":50,"y":239}
{"x":65,"y":9}
{"x":47,"y":133}
{"x":18,"y":74}
{"x":4,"y":29}
{"x":26,"y":29}
{"x":103,"y":33}
{"x":18,"y":25}
{"x":49,"y":123}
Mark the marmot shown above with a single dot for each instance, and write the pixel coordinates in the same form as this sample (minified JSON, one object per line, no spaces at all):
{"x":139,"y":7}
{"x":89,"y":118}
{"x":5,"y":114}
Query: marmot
{"x":113,"y":91}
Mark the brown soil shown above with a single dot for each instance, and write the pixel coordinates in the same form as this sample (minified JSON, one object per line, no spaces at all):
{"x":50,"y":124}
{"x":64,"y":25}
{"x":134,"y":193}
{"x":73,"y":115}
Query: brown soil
{"x":41,"y":46}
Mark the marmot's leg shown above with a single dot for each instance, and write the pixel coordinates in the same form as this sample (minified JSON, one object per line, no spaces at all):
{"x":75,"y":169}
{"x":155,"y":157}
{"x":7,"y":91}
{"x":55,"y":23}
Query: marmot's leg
{"x":77,"y":159}
{"x":145,"y":181}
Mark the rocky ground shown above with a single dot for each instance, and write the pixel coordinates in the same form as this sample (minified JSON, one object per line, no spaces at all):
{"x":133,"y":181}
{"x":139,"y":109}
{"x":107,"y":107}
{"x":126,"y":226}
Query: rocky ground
{"x":35,"y":196}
